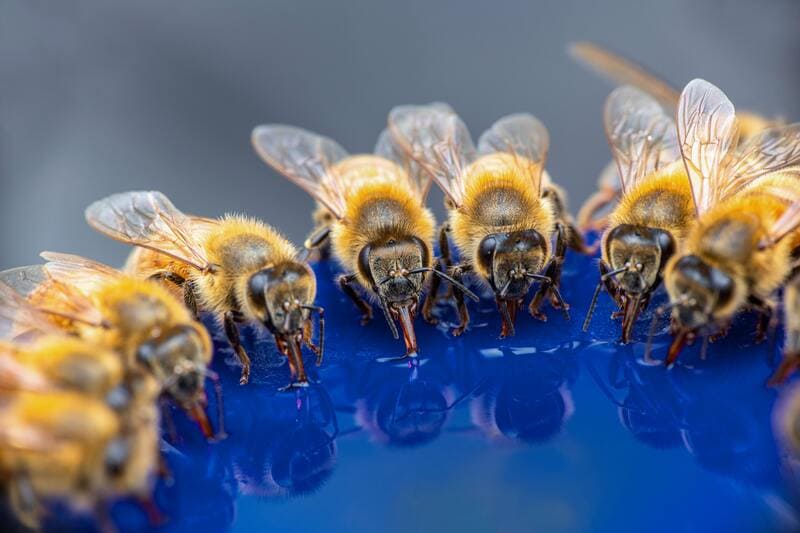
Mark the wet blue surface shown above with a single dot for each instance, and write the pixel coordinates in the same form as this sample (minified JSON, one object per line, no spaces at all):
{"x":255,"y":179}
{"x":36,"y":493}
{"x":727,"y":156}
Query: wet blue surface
{"x":551,"y":430}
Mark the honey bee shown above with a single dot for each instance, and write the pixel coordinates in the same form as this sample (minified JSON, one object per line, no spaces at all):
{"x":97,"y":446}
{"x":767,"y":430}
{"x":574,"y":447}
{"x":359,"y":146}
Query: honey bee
{"x":625,"y":72}
{"x":504,"y":210}
{"x":238,"y":268}
{"x":747,"y":202}
{"x":655,"y":209}
{"x":138,"y":320}
{"x":382,"y":234}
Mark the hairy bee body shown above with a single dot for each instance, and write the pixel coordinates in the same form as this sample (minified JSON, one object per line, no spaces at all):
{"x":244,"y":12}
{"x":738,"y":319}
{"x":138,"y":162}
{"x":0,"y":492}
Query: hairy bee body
{"x":379,"y":207}
{"x":727,"y":238}
{"x":499,"y":199}
{"x":662,"y":201}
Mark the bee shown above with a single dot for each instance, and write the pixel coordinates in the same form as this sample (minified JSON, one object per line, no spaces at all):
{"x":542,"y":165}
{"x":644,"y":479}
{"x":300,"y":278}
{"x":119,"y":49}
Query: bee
{"x":504,"y":210}
{"x":141,"y":322}
{"x":238,"y":268}
{"x":382,"y":234}
{"x":791,"y":319}
{"x":625,"y":72}
{"x":655,"y":209}
{"x":747,"y":203}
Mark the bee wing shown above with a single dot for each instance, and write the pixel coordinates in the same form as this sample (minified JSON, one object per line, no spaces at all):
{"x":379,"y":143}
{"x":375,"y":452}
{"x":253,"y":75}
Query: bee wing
{"x":18,"y":317}
{"x":438,"y":141}
{"x":706,"y":133}
{"x":523,"y":136}
{"x":640,"y":133}
{"x":306,"y":159}
{"x":771,"y":150}
{"x":419,"y":180}
{"x":624,"y":72}
{"x":36,"y":294}
{"x":148,"y":219}
{"x":15,"y":375}
{"x":789,"y":220}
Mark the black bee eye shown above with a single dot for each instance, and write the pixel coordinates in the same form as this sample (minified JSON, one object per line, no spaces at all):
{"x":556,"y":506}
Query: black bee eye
{"x":256,"y":288}
{"x":486,"y":251}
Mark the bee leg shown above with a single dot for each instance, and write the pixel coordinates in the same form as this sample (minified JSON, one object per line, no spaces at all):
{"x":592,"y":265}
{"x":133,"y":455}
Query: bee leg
{"x":166,"y":415}
{"x":445,"y":254}
{"x":232,"y":332}
{"x":345,"y":282}
{"x":154,"y":515}
{"x":319,"y":240}
{"x":308,"y":333}
{"x":24,"y":502}
{"x":765,"y":310}
{"x":463,"y":313}
{"x":432,"y":297}
{"x":190,"y":299}
{"x":576,"y":241}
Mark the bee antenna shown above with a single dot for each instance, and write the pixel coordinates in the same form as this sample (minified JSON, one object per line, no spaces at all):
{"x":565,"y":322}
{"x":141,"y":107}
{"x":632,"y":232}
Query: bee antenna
{"x":388,"y":316}
{"x":460,"y":286}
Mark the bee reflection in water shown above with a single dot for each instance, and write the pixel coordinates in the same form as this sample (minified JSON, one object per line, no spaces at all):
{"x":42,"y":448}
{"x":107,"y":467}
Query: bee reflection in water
{"x":523,"y":397}
{"x":718,"y":410}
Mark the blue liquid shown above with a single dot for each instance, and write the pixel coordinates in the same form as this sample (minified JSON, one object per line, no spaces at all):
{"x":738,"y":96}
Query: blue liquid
{"x":551,"y":430}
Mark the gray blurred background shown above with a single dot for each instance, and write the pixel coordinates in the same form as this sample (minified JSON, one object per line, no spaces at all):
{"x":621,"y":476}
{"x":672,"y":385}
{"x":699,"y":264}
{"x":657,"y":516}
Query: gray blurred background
{"x":99,"y":96}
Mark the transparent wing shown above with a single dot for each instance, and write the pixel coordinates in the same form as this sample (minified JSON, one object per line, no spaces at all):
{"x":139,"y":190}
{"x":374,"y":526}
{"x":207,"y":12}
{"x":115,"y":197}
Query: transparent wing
{"x":419,"y":180}
{"x":789,"y":221}
{"x":641,"y":135}
{"x":306,"y":159}
{"x":624,"y":72}
{"x":523,"y":136}
{"x":84,"y":274}
{"x":37,"y":291}
{"x":769,"y":151}
{"x":148,"y":219}
{"x":706,"y":133}
{"x":17,"y":316}
{"x":436,"y":139}
{"x":15,"y":375}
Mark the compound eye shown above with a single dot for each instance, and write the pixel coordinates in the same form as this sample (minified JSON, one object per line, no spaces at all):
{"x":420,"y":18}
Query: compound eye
{"x":117,"y":455}
{"x":486,"y":251}
{"x":256,"y":288}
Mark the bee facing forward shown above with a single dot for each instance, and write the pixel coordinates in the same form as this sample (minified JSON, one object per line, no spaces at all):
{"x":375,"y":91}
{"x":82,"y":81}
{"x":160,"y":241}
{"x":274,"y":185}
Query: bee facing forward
{"x":740,"y":250}
{"x":140,"y":321}
{"x":655,"y":209}
{"x":382,"y":233}
{"x":625,"y":72}
{"x":238,"y":268}
{"x":503,"y":208}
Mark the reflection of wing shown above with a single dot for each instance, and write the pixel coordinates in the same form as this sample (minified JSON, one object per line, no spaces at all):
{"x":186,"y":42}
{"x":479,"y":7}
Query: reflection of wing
{"x":624,"y":72}
{"x":148,"y":219}
{"x":306,"y":159}
{"x":420,"y":180}
{"x":641,"y":135}
{"x":523,"y":136}
{"x":438,"y":141}
{"x":769,"y":151}
{"x":706,"y":134}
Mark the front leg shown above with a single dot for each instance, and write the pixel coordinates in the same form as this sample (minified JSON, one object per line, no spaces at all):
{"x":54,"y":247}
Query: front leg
{"x":345,"y":282}
{"x":463,"y":313}
{"x":232,"y":332}
{"x":551,"y":280}
{"x":308,"y":334}
{"x":766,"y":311}
{"x":432,"y":297}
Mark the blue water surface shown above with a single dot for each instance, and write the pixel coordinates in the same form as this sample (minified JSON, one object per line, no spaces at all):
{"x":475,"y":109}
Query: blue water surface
{"x":551,"y":430}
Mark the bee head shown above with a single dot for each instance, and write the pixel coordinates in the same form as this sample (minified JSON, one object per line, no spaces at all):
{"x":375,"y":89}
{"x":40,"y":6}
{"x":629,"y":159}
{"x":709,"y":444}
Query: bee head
{"x":393,"y":268}
{"x":699,"y":292}
{"x":510,"y":259}
{"x":278,"y":296}
{"x":177,"y":357}
{"x":640,"y":254}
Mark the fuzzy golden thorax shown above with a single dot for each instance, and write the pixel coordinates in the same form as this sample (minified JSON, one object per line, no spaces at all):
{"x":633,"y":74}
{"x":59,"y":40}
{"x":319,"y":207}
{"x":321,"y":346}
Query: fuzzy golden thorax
{"x":501,"y":203}
{"x":647,"y":227}
{"x":238,"y":248}
{"x":722,"y":264}
{"x":384,"y":230}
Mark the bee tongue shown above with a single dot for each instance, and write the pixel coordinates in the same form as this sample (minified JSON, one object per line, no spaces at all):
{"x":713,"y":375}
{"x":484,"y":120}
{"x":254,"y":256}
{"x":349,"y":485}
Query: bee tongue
{"x":199,"y":415}
{"x":409,"y":335}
